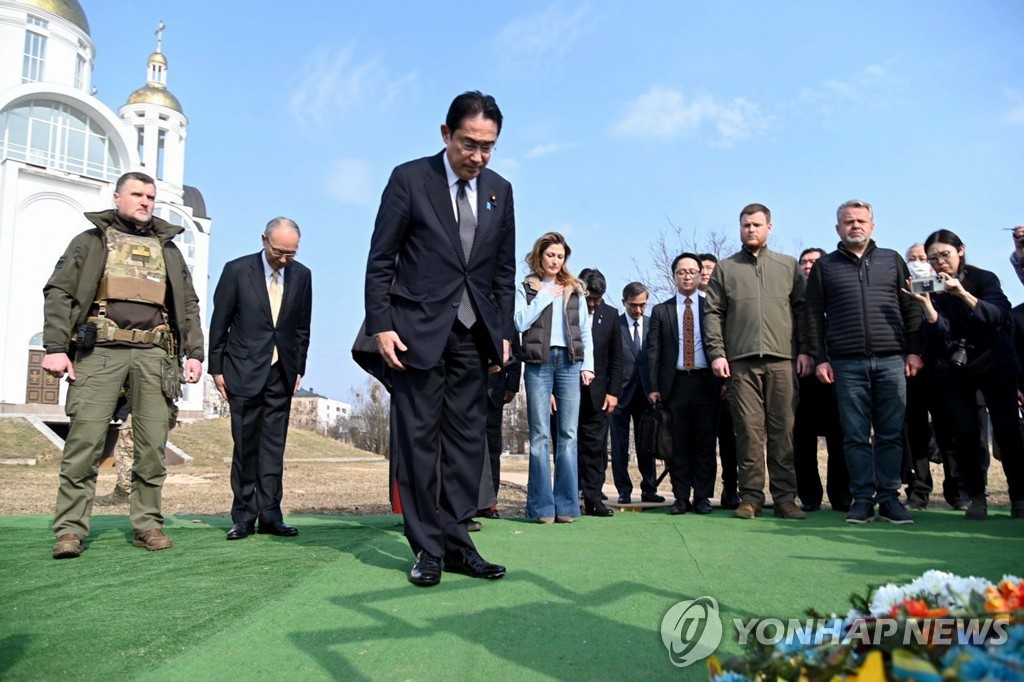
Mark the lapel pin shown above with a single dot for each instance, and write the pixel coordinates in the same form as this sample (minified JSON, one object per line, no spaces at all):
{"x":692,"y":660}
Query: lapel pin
{"x":493,"y":201}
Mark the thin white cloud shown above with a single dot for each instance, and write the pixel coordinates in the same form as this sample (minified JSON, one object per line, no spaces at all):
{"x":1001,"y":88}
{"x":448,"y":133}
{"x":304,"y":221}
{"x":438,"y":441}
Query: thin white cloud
{"x":666,"y":114}
{"x":867,"y":86}
{"x":350,"y":182}
{"x":336,"y":82}
{"x":545,"y":35}
{"x":545,"y":149}
{"x":1014,"y":116}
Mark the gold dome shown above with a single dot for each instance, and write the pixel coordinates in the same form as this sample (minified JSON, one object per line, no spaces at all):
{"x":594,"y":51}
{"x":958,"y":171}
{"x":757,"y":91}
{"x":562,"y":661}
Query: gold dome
{"x":158,"y":57}
{"x":65,"y":9}
{"x":151,"y":94}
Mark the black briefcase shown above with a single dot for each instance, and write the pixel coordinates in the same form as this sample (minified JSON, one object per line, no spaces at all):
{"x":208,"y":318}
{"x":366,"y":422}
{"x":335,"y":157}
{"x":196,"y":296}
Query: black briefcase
{"x":655,"y":433}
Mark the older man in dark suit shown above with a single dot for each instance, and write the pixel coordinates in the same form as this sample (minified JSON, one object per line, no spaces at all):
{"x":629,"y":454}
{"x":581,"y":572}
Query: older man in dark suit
{"x":259,"y":336}
{"x":633,"y":327}
{"x":439,"y":298}
{"x":599,"y":398}
{"x":680,"y":375}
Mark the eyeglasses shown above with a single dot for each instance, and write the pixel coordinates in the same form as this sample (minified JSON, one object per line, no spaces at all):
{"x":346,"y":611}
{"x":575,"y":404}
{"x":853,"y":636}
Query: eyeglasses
{"x":637,"y":305}
{"x":472,"y":146}
{"x":687,"y":273}
{"x":279,"y":253}
{"x":941,"y":256}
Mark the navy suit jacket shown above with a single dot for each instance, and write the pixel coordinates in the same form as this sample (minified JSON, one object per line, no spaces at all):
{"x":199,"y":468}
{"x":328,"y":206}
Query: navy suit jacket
{"x":416,"y":271}
{"x":663,"y":344}
{"x":242,"y":330}
{"x":634,"y":365}
{"x":607,"y":356}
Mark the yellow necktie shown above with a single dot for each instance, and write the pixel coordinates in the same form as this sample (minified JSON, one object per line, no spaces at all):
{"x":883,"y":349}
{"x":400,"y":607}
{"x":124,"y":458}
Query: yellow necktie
{"x":274,"y":290}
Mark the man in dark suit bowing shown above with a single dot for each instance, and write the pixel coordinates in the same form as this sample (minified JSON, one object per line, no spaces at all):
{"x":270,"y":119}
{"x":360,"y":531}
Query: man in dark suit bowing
{"x":259,"y":335}
{"x":633,"y":327}
{"x":599,"y":398}
{"x":439,"y":298}
{"x":680,"y":375}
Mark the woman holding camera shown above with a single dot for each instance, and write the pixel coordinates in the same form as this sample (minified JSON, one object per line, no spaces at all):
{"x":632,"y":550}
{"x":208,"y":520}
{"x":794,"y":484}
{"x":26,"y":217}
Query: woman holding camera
{"x":551,"y":312}
{"x":969,"y":333}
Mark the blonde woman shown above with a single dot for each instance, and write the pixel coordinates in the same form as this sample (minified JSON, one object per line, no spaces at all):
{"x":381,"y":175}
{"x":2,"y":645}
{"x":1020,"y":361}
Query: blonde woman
{"x":551,"y":312}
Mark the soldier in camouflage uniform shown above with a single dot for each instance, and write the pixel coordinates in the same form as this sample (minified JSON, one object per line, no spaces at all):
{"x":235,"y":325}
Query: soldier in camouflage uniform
{"x":120,"y":308}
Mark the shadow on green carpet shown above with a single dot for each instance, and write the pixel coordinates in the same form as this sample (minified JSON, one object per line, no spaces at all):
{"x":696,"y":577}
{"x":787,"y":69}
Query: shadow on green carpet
{"x":581,"y":601}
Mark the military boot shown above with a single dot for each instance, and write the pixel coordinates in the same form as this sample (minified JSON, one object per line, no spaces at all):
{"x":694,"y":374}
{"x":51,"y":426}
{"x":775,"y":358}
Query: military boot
{"x":118,"y":496}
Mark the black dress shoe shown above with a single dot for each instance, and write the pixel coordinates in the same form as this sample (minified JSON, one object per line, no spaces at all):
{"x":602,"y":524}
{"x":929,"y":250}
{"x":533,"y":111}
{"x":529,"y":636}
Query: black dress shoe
{"x":625,"y":499}
{"x":702,"y":506}
{"x":426,"y":572}
{"x":807,"y":507}
{"x":603,"y":497}
{"x":488,"y":513}
{"x":651,"y":497}
{"x":679,"y":507}
{"x":598,"y":509}
{"x":240,"y":531}
{"x":278,"y":529}
{"x":470,"y":562}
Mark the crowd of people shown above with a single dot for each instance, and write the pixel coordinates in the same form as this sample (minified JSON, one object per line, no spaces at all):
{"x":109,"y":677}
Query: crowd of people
{"x":758,"y":352}
{"x":897,"y":363}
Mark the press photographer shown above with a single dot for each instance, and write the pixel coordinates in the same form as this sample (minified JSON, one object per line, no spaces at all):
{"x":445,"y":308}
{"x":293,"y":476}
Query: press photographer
{"x":969,"y":337}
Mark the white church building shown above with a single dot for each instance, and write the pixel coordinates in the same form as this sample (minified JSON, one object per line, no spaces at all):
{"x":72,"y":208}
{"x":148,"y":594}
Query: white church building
{"x":61,"y":151}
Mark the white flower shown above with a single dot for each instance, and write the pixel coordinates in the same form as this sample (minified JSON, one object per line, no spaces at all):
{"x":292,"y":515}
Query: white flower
{"x":884,"y":598}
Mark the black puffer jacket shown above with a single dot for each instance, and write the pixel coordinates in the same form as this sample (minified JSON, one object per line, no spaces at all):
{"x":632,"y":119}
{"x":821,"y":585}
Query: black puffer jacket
{"x":855,"y":307}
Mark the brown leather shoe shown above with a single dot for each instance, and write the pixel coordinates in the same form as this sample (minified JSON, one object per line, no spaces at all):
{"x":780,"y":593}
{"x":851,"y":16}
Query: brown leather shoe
{"x":152,"y":540}
{"x":564,"y":519}
{"x":68,"y":546}
{"x":546,"y":520}
{"x":747,"y":510}
{"x":789,"y":510}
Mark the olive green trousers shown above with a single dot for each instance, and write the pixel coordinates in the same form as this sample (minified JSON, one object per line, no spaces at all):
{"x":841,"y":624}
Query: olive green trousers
{"x":91,"y":400}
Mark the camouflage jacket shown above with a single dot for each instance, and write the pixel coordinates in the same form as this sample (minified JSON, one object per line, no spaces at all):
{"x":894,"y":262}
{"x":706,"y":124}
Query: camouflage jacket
{"x":71,"y":289}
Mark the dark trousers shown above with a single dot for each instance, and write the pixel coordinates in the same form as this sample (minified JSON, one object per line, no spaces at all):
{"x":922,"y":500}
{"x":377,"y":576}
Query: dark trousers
{"x":818,"y":415}
{"x":1000,"y":392}
{"x":619,"y":422}
{"x":727,"y":451}
{"x":592,"y":448}
{"x":438,"y":431}
{"x":494,"y":445}
{"x":694,"y":406}
{"x":259,"y":427}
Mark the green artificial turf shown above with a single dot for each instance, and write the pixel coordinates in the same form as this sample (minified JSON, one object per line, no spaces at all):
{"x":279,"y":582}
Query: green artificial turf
{"x":581,"y":601}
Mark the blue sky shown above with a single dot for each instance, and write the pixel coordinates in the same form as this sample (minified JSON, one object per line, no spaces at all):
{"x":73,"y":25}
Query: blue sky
{"x":621,"y":119}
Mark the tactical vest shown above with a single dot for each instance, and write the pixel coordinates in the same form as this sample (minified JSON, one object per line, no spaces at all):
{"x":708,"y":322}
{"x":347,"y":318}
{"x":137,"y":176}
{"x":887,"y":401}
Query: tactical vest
{"x":134,"y":270}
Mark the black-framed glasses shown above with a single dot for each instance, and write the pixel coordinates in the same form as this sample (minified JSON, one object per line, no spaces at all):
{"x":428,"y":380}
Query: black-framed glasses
{"x":279,"y":253}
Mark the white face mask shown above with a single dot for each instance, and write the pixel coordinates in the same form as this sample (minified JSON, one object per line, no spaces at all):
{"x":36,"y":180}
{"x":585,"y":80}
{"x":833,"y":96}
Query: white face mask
{"x":919,"y":269}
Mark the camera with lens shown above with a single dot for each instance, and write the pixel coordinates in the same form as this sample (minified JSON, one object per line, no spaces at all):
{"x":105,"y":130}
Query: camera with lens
{"x":927,"y":285}
{"x":959,"y":357}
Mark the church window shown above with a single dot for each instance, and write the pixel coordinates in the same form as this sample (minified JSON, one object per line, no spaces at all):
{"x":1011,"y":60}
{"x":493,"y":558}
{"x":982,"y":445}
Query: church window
{"x":80,"y":72}
{"x":54,"y":135}
{"x":35,"y":55}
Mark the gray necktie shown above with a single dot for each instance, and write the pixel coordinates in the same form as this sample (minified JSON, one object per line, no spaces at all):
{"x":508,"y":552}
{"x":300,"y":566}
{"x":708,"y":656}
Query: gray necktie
{"x":467,"y":232}
{"x":637,"y":339}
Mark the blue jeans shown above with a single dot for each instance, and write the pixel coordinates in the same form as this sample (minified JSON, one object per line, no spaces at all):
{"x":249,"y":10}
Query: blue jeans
{"x":872,"y":392}
{"x":560,"y":378}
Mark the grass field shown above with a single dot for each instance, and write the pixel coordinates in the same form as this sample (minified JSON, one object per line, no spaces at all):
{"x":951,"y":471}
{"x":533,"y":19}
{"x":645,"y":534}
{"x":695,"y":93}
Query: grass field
{"x":581,"y":601}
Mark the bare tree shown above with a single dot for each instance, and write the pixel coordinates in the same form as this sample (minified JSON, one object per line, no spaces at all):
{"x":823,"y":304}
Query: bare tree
{"x":669,"y":243}
{"x":370,"y":424}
